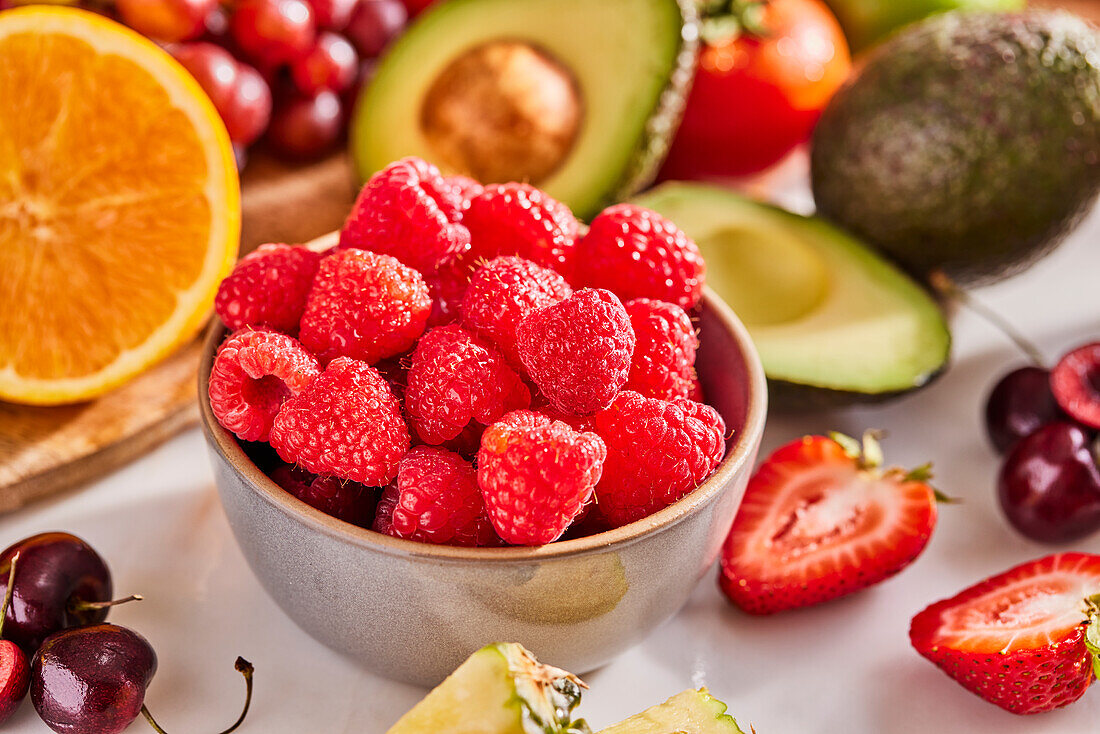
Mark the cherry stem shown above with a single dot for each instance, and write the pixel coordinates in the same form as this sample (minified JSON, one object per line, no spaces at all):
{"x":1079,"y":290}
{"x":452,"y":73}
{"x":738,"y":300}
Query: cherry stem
{"x":243,"y":667}
{"x":8,"y":593}
{"x":79,"y":605}
{"x":946,"y":286}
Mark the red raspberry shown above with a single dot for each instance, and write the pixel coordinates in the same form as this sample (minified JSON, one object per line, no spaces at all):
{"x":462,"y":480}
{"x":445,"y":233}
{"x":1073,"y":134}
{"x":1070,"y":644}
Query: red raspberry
{"x":465,"y":188}
{"x":268,"y":287}
{"x":518,"y":219}
{"x":383,"y":512}
{"x":254,"y":373}
{"x":347,"y":501}
{"x":664,"y":353}
{"x":502,"y":293}
{"x":447,"y":286}
{"x":637,"y":253}
{"x":439,"y":501}
{"x":657,"y":452}
{"x":578,"y":351}
{"x":536,"y":476}
{"x":409,"y":211}
{"x":365,"y":306}
{"x":456,"y":378}
{"x":346,"y":423}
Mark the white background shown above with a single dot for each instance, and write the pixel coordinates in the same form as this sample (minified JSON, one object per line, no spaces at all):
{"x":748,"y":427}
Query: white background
{"x":842,"y":667}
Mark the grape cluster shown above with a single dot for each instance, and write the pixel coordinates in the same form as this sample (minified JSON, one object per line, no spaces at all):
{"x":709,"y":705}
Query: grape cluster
{"x":285,"y":71}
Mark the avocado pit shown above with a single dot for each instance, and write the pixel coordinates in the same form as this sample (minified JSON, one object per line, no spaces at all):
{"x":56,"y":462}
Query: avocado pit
{"x":503,"y":111}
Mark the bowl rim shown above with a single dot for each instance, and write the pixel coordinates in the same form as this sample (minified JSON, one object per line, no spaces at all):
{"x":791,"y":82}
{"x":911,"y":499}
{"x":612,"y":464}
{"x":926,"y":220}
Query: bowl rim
{"x":737,"y":456}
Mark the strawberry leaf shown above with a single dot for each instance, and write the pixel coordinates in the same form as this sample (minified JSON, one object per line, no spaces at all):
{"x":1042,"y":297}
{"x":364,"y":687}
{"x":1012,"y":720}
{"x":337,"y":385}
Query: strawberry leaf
{"x":1092,"y":632}
{"x":850,"y":445}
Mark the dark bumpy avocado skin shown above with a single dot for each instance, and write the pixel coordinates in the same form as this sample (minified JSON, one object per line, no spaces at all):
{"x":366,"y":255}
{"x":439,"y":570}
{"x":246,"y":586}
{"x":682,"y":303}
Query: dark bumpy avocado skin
{"x":969,"y":144}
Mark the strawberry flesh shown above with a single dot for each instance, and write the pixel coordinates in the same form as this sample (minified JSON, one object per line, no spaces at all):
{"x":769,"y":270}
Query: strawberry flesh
{"x":1017,"y":639}
{"x":816,"y":524}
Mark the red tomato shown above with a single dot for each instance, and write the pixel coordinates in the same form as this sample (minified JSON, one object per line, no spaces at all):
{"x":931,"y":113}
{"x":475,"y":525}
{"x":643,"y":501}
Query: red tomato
{"x":756,"y":97}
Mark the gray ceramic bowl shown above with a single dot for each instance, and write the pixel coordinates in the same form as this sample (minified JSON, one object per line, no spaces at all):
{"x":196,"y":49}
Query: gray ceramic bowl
{"x":414,"y":611}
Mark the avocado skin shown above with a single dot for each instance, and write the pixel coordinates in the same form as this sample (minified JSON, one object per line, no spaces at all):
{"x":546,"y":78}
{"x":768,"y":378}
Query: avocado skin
{"x":867,"y":21}
{"x":969,"y":144}
{"x":796,"y":397}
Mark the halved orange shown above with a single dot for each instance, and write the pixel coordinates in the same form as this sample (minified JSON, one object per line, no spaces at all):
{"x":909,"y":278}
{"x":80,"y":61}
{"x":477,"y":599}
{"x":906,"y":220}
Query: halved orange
{"x":119,"y":205}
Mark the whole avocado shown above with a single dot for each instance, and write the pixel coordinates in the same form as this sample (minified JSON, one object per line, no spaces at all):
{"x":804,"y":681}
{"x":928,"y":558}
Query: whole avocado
{"x":969,"y":144}
{"x":867,"y":21}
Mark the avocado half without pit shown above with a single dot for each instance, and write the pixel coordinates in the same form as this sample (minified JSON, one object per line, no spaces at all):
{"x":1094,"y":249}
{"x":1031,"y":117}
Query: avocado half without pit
{"x":577,"y":97}
{"x":834,"y":322}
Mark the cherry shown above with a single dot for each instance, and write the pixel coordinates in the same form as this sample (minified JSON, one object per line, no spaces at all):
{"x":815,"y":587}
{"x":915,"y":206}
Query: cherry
{"x":167,"y":20}
{"x":92,"y":680}
{"x":331,"y":64}
{"x":214,"y":69}
{"x":14,"y":671}
{"x":273,"y":32}
{"x":417,"y":6}
{"x":1049,"y":486}
{"x":333,"y":14}
{"x":375,"y":23}
{"x":1075,"y":382}
{"x":1019,"y":404}
{"x":306,"y":127}
{"x":249,"y":111}
{"x":62,"y":582}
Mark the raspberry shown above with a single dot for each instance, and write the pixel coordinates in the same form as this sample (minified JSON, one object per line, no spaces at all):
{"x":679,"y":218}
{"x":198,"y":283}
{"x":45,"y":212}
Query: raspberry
{"x":518,"y":219}
{"x":409,"y":211}
{"x":578,"y":351}
{"x":347,"y":501}
{"x":504,"y":291}
{"x":268,"y":287}
{"x":439,"y":501}
{"x":465,"y":188}
{"x":637,"y":253}
{"x":254,"y":373}
{"x":657,"y":452}
{"x":365,"y":306}
{"x":456,"y":378}
{"x":536,"y":476}
{"x":346,"y":422}
{"x":447,"y":285}
{"x":664,"y":353}
{"x":383,"y":512}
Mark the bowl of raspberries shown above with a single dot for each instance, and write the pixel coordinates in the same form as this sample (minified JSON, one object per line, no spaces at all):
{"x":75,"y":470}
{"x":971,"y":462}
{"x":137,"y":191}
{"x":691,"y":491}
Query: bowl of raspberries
{"x":468,"y":417}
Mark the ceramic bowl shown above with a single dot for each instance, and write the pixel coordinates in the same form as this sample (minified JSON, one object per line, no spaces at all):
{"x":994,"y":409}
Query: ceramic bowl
{"x":414,"y":611}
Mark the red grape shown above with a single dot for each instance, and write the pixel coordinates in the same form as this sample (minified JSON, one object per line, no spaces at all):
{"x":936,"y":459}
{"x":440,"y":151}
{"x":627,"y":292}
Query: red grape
{"x":249,"y":111}
{"x":331,"y":64}
{"x":1049,"y":486}
{"x":273,"y":32}
{"x":306,"y":127}
{"x":375,"y":23}
{"x":332,"y":14}
{"x":166,"y":20}
{"x":214,"y":69}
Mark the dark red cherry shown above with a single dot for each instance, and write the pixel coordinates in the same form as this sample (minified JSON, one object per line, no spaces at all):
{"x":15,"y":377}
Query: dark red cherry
{"x":61,"y":582}
{"x":1019,"y":404}
{"x":1049,"y":486}
{"x":14,"y":670}
{"x":92,"y":680}
{"x":1075,"y":382}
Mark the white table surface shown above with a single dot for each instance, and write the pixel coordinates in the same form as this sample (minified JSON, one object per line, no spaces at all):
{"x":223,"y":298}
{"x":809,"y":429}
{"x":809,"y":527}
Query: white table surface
{"x":842,"y":667}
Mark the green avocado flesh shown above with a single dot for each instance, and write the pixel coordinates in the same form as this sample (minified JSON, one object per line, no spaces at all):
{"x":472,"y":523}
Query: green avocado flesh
{"x":690,"y":712}
{"x":500,"y":689}
{"x":630,"y":63}
{"x":969,"y":144}
{"x":825,"y":312}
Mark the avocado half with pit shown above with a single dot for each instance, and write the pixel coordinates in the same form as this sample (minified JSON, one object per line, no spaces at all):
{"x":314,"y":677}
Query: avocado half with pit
{"x":578,"y":97}
{"x":833,"y":322}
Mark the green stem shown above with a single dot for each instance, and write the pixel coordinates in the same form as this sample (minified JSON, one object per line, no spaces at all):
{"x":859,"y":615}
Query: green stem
{"x":243,"y":667}
{"x":8,"y":593}
{"x":79,"y":605}
{"x":947,"y":287}
{"x":1092,"y":632}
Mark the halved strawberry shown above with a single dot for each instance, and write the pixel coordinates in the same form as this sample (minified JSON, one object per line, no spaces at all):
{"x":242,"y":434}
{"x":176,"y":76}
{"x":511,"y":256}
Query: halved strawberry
{"x":1027,"y":640}
{"x":821,"y":519}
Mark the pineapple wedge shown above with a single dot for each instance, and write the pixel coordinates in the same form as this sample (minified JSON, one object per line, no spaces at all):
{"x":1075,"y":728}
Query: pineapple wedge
{"x":500,"y":689}
{"x":690,"y":712}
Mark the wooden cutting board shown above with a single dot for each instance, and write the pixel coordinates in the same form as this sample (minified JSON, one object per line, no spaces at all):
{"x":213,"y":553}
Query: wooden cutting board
{"x":44,"y":451}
